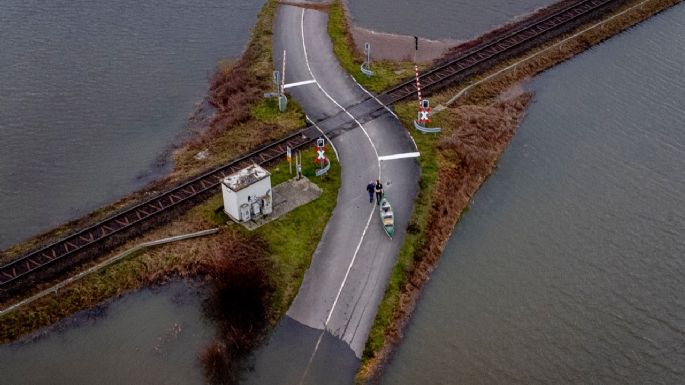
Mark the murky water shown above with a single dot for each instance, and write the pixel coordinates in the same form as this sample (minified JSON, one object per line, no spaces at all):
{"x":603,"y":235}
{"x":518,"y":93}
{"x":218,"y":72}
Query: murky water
{"x":439,"y":19}
{"x":92,"y":93}
{"x":569,"y":266}
{"x":150,"y":337}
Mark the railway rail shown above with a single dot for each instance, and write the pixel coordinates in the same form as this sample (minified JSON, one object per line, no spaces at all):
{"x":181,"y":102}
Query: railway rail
{"x":105,"y":229}
{"x":444,"y":74}
{"x":463,"y":65}
{"x":471,"y":61}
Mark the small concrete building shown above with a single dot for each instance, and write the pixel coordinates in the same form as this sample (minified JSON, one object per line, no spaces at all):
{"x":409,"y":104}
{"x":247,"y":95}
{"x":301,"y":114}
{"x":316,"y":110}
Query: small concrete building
{"x":247,"y":193}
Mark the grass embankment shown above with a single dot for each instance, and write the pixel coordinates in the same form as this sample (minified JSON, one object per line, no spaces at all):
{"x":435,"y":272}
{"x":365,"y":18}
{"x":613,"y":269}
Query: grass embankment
{"x":455,"y":164}
{"x":386,"y":73}
{"x":256,"y":277}
{"x":228,"y":131}
{"x":291,"y":239}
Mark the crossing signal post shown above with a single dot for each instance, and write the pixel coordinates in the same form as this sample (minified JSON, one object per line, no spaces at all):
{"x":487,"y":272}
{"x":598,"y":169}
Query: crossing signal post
{"x":321,"y":160}
{"x":366,"y":66}
{"x":289,"y":153}
{"x":423,"y":118}
{"x":279,"y":81}
{"x":424,"y":110}
{"x":298,"y":165}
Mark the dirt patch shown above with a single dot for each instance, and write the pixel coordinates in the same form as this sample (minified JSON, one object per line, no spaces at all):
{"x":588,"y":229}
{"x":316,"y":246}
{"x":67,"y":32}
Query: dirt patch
{"x":387,"y":46}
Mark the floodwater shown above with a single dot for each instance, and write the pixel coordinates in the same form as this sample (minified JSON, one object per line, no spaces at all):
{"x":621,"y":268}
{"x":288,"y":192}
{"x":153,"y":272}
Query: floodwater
{"x":439,"y":19}
{"x":569,"y":267}
{"x":149,"y":337}
{"x":93,"y":93}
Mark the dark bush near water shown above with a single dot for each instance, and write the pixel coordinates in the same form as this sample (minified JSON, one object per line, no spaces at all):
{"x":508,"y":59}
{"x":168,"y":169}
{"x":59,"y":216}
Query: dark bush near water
{"x":240,"y":290}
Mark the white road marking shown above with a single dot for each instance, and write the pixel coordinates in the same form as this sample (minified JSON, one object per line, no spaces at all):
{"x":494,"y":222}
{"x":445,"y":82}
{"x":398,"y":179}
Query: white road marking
{"x":306,"y":60}
{"x":400,"y":156}
{"x":374,"y":96}
{"x":386,"y":107}
{"x":325,"y":136}
{"x":368,"y":222}
{"x":413,"y":141}
{"x":354,"y":257}
{"x":297,"y":84}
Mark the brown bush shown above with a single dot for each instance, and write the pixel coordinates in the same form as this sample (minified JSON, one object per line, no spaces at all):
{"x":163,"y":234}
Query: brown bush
{"x":231,"y":91}
{"x":240,"y":293}
{"x":217,"y":368}
{"x":468,"y":151}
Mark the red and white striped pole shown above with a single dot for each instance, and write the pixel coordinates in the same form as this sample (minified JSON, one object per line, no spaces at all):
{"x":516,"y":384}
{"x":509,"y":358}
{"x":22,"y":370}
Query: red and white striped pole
{"x":418,"y":84}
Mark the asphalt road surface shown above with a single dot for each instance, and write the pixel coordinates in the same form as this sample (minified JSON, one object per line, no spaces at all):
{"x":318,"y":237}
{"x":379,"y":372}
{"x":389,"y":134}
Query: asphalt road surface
{"x":322,"y":337}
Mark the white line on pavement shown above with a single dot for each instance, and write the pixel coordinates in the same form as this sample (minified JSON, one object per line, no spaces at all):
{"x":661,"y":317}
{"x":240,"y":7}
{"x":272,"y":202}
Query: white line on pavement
{"x":325,"y":136}
{"x":368,"y":222}
{"x":302,"y":83}
{"x":386,"y":107}
{"x":306,"y":60}
{"x":374,"y":96}
{"x":400,"y":156}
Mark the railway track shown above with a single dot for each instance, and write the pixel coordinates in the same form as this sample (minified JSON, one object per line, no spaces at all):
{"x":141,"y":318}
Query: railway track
{"x":461,"y":66}
{"x":444,"y":74}
{"x":470,"y":62}
{"x":101,"y":231}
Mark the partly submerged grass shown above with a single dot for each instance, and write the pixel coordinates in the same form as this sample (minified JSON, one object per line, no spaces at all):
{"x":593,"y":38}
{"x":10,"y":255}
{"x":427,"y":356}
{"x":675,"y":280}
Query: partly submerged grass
{"x":242,"y":121}
{"x":294,"y":237}
{"x":291,"y":239}
{"x":155,"y":265}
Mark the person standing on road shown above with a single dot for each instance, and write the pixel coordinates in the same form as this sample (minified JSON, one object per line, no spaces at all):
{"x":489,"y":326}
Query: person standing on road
{"x":370,"y":188}
{"x":379,"y":191}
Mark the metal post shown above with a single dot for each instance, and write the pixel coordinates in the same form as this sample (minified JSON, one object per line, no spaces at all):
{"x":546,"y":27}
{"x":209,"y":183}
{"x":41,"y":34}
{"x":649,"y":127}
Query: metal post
{"x":289,"y":153}
{"x":282,"y":99}
{"x":283,"y":77}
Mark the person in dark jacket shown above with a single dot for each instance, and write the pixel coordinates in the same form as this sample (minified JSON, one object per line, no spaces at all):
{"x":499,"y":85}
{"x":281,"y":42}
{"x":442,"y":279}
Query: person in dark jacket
{"x":370,"y":188}
{"x":379,"y":191}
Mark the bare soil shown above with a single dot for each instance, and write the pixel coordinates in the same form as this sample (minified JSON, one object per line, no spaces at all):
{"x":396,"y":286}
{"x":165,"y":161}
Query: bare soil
{"x":387,"y":46}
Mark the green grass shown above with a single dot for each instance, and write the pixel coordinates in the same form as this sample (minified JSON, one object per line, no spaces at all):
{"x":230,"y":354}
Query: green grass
{"x":387,"y":73}
{"x":149,"y":266}
{"x":293,"y":237}
{"x":415,"y":232}
{"x":266,"y":111}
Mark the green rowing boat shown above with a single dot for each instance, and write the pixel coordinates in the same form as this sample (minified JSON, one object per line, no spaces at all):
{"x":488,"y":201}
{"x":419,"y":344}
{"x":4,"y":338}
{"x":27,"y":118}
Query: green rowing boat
{"x":387,"y":217}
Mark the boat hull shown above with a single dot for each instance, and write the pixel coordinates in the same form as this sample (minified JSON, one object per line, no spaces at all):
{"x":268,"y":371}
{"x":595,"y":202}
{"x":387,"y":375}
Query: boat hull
{"x":387,"y":217}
